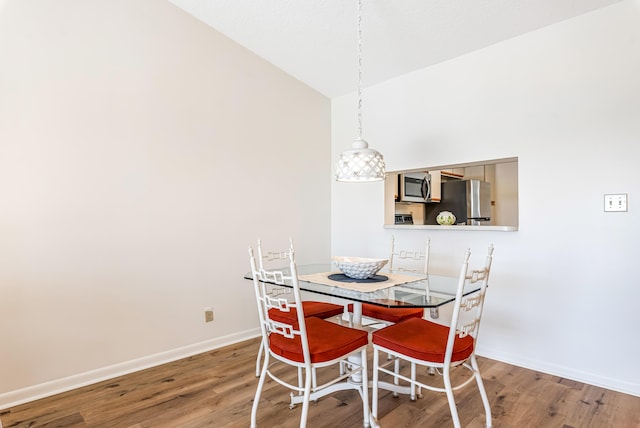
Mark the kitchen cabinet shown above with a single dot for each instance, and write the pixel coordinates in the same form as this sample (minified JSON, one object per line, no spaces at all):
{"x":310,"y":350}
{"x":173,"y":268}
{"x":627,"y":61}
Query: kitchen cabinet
{"x":440,"y":175}
{"x":454,"y":172}
{"x":436,"y":185}
{"x":475,"y":173}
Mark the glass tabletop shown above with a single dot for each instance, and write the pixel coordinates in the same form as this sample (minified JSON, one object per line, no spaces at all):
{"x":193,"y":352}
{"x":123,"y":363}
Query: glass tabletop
{"x":433,"y":292}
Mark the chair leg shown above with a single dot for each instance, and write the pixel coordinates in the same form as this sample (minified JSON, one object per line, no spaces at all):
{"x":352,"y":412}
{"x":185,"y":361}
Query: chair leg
{"x":256,"y":399}
{"x":452,"y":402}
{"x":483,"y":392}
{"x":412,"y":395}
{"x":314,"y":378}
{"x":260,"y":351}
{"x":300,"y":381}
{"x":307,"y":395}
{"x":432,"y":372}
{"x":365,"y":388}
{"x":374,"y":393}
{"x":349,"y":316}
{"x":396,"y":369}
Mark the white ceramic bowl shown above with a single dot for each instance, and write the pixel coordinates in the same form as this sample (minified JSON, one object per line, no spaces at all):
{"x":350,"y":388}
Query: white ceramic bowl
{"x":359,"y":267}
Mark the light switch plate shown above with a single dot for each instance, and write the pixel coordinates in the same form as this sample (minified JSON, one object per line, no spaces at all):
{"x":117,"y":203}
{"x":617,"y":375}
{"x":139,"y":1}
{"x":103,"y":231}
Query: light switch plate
{"x":615,"y":202}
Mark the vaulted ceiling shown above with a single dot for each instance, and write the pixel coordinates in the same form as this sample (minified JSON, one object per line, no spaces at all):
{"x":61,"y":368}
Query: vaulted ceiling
{"x":316,"y":40}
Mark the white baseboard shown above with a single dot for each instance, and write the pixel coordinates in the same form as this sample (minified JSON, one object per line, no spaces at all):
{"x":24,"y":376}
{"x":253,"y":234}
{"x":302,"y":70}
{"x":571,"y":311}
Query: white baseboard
{"x":35,"y":392}
{"x":613,"y":384}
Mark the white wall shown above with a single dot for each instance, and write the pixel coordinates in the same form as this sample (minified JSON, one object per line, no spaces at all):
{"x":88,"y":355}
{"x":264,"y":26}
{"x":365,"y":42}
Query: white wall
{"x":566,"y":101}
{"x":141,"y":152}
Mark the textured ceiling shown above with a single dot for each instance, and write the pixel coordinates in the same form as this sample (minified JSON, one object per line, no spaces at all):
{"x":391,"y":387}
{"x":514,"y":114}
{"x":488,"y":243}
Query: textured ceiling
{"x":316,"y":40}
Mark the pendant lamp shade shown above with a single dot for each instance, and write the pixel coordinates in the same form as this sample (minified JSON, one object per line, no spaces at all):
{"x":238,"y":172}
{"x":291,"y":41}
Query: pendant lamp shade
{"x":360,"y":163}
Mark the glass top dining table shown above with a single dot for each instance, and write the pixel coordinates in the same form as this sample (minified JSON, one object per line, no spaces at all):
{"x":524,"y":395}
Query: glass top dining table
{"x":423,"y":292}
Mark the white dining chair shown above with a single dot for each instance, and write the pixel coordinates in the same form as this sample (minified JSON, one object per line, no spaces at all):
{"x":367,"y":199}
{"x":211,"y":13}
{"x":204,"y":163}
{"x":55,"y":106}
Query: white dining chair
{"x":402,"y":261}
{"x":425,"y":343}
{"x":307,"y":344}
{"x":414,"y":261}
{"x":324,"y":310}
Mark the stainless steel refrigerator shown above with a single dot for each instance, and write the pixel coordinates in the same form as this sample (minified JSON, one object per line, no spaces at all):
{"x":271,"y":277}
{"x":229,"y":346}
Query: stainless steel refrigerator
{"x":468,"y":200}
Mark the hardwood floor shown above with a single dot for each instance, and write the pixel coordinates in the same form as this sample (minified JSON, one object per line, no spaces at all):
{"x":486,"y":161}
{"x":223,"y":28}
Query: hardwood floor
{"x":216,"y":389}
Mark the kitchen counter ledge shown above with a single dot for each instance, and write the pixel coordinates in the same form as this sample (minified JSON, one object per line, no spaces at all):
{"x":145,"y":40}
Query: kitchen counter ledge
{"x":456,"y":228}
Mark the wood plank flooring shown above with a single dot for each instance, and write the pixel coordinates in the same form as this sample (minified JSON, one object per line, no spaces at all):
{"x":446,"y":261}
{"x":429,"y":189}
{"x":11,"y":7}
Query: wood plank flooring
{"x":216,"y":389}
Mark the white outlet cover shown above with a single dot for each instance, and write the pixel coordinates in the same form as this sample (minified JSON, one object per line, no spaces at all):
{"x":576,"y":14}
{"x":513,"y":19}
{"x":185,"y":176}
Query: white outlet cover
{"x":616,"y":202}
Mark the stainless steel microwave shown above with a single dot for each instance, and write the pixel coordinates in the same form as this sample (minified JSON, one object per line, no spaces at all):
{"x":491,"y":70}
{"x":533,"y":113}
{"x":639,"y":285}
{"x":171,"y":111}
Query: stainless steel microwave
{"x":414,"y":187}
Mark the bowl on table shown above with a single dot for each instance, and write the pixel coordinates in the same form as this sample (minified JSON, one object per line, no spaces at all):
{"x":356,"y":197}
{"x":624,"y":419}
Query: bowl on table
{"x":359,"y":267}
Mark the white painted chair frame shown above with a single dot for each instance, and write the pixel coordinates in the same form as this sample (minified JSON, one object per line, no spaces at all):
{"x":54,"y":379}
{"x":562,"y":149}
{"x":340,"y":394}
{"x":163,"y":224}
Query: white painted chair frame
{"x":307,"y":390}
{"x":273,"y":290}
{"x":462,"y":303}
{"x":419,"y":269}
{"x":415,"y":255}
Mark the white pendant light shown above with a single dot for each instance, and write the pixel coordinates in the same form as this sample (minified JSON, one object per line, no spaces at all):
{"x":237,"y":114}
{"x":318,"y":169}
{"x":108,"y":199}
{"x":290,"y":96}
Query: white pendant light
{"x":360,"y":163}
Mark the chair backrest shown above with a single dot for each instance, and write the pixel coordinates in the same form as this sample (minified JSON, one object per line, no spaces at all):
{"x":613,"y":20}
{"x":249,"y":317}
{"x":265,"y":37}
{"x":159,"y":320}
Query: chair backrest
{"x":267,"y":260}
{"x":268,"y":302}
{"x":411,"y":261}
{"x":473,"y":303}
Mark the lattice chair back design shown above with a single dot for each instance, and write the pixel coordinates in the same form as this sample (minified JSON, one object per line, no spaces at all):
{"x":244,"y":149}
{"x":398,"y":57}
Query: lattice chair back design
{"x":306,"y":344}
{"x":311,"y":308}
{"x":435,"y":346}
{"x":401,"y":261}
{"x":412,"y":261}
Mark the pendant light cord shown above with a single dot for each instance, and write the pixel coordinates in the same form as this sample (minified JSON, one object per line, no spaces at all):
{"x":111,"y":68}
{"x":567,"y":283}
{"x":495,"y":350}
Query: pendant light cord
{"x":359,"y":69}
{"x":360,"y":163}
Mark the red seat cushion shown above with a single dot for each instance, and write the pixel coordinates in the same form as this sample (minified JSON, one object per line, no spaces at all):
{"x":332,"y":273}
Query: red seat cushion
{"x":423,"y":340}
{"x":327,"y":341}
{"x":393,"y":315}
{"x":311,"y":309}
{"x":322,"y":310}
